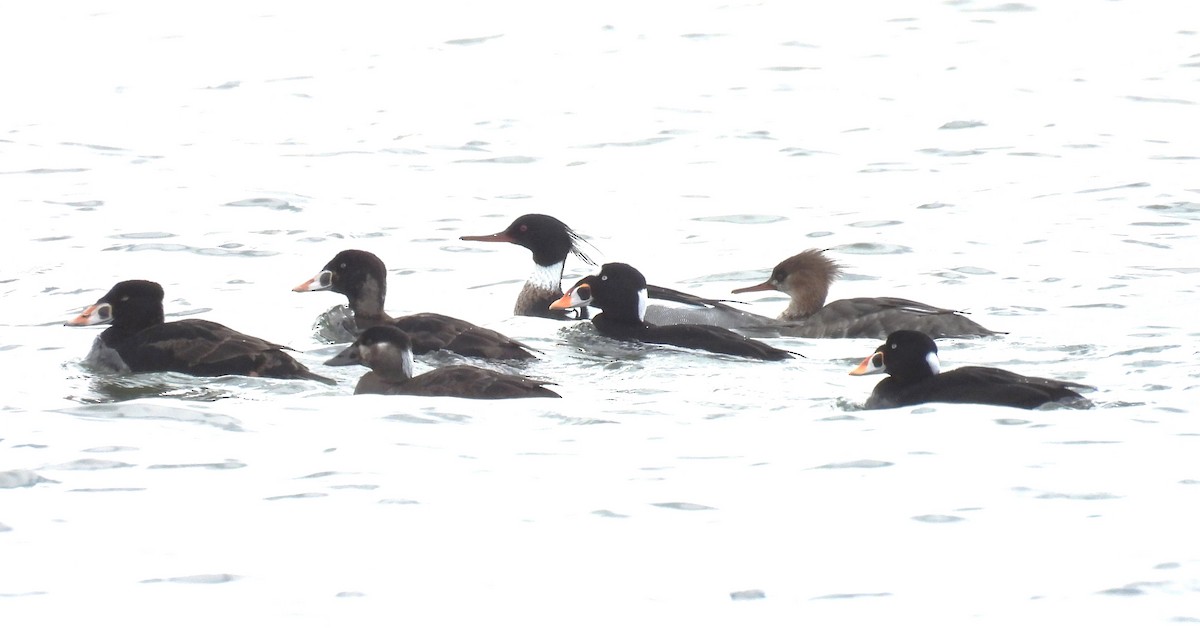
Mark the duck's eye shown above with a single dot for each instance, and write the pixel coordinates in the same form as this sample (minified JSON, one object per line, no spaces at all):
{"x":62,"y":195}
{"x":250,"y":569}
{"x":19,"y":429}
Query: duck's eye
{"x":584,"y":292}
{"x":325,"y":279}
{"x":603,"y":277}
{"x":342,"y":266}
{"x":523,"y":228}
{"x":779,"y":275}
{"x":125,"y":298}
{"x":877,"y":360}
{"x":892,"y":346}
{"x":104,"y":311}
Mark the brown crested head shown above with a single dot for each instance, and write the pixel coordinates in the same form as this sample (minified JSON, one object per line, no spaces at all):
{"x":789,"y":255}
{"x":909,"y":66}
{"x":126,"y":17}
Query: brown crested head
{"x":805,"y":277}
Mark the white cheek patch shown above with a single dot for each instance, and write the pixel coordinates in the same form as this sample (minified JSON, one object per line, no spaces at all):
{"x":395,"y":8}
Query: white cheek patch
{"x":932,"y":360}
{"x":547,"y":277}
{"x":642,"y":302}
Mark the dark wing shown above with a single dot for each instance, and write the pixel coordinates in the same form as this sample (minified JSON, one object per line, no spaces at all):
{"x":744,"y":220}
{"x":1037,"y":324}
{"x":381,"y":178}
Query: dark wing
{"x":472,"y":382}
{"x":205,"y":348}
{"x":432,"y":332}
{"x":986,"y":385}
{"x":878,"y":317}
{"x":670,"y":294}
{"x":712,"y":338}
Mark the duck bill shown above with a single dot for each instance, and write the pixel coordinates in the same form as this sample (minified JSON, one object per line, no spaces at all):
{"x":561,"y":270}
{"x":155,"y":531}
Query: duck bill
{"x":348,"y":357}
{"x":766,"y":285}
{"x":321,"y":281}
{"x":495,"y":237}
{"x":571,"y":299}
{"x":871,"y":365}
{"x":97,"y":314}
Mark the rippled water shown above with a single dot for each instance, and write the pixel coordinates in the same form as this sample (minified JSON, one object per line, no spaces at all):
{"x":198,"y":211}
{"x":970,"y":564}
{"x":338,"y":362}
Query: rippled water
{"x":1031,"y":163}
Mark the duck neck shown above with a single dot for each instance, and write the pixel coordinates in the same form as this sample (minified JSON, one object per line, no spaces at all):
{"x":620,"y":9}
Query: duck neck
{"x":543,"y":287}
{"x":632,"y":313}
{"x":394,"y":367}
{"x":367,"y":303}
{"x":129,"y":324}
{"x":805,"y":302}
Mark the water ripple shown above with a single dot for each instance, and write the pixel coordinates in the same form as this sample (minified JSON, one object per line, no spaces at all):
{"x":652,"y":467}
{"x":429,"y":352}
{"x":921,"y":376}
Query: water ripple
{"x":938,"y":518}
{"x":228,"y":464}
{"x":857,"y":464}
{"x":21,"y":478}
{"x":126,"y":410}
{"x":224,"y":249}
{"x":683,"y":506}
{"x":742,"y":219}
{"x":961,"y":124}
{"x":508,"y":159}
{"x":849,"y":596}
{"x":90,"y":464}
{"x":295,"y":496}
{"x":874,"y":248}
{"x":267,"y":202}
{"x":208,"y":578}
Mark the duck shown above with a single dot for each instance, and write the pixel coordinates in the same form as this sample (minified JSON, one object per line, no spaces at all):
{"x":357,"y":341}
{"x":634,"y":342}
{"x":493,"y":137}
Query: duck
{"x":620,"y":291}
{"x":910,"y":359}
{"x":388,"y":352}
{"x":362,"y":277}
{"x":138,"y":340}
{"x":806,"y":277}
{"x":551,"y":242}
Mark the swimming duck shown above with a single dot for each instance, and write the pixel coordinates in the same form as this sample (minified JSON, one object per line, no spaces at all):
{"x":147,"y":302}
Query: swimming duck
{"x":910,"y":358}
{"x":387,"y":351}
{"x":139,"y":341}
{"x":806,"y":278}
{"x":551,"y":241}
{"x":362,"y":278}
{"x":620,"y":291}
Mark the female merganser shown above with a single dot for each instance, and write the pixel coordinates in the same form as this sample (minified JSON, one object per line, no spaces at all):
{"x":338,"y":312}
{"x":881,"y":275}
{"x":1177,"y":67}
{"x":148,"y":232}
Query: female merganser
{"x":620,"y":291}
{"x":387,"y":351}
{"x":914,"y":377}
{"x":139,"y":341}
{"x":806,"y":277}
{"x":362,"y":277}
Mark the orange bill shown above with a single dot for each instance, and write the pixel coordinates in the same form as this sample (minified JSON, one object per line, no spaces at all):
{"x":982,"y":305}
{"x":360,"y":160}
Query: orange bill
{"x":872,"y":364}
{"x":766,"y":285}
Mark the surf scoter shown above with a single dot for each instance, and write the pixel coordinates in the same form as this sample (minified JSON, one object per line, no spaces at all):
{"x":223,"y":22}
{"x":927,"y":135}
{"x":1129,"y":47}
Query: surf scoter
{"x":620,"y":291}
{"x":806,"y":278}
{"x":387,"y":351}
{"x":551,"y":241}
{"x":139,"y":341}
{"x":362,"y":278}
{"x":914,"y":377}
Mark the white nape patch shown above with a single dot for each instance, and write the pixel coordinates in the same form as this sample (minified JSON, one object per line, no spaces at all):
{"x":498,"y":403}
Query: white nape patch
{"x":406,"y":363}
{"x":547,"y":277}
{"x":934,"y":364}
{"x":643,"y":299}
